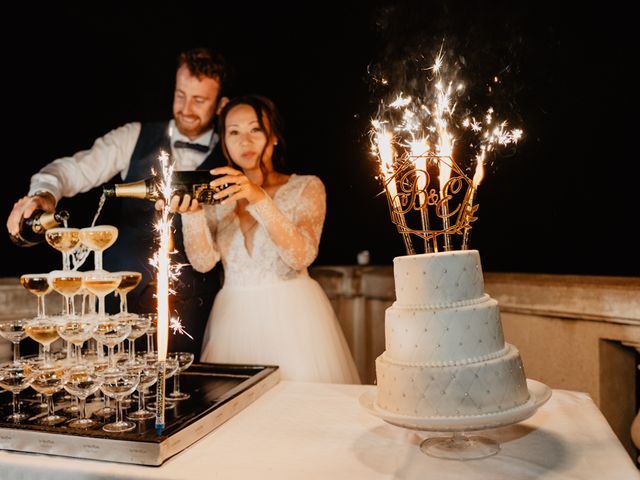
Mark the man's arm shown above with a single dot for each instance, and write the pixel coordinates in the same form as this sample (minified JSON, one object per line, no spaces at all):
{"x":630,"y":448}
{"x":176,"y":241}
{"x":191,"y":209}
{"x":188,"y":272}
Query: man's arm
{"x":67,"y":176}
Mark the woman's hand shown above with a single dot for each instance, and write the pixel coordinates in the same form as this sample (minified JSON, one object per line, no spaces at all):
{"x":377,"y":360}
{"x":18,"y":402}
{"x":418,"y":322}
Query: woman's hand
{"x":238,"y":186}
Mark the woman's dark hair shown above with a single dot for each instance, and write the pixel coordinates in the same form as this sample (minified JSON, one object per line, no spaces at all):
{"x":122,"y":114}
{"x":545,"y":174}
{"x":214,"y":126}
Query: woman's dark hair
{"x":273,"y":127}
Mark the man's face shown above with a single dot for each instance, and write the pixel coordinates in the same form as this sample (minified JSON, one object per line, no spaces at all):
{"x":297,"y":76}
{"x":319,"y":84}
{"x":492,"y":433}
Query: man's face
{"x":194,"y":102}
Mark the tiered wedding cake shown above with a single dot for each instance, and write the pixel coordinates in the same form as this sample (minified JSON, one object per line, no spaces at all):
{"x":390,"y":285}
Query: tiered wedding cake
{"x":445,"y":353}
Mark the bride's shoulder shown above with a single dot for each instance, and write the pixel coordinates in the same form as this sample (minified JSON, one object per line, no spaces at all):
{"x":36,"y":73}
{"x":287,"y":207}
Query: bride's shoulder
{"x":306,"y":180}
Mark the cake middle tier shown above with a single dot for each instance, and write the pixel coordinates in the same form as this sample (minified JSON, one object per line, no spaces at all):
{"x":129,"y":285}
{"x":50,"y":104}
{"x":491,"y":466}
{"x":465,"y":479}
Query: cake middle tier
{"x":444,"y":336}
{"x":480,"y":388}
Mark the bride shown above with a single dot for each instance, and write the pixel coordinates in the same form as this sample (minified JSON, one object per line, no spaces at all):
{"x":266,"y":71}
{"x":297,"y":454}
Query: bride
{"x":266,"y":232}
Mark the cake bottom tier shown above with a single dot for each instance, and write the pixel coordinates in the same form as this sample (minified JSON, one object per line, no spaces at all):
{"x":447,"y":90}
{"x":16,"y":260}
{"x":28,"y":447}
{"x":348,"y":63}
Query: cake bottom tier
{"x":472,"y":389}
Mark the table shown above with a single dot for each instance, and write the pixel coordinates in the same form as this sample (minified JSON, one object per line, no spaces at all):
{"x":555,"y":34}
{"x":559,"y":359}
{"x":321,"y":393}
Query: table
{"x":320,"y":431}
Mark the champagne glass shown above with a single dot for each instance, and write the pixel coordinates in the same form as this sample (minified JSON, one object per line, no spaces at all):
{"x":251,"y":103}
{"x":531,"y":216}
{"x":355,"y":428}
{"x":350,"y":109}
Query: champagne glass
{"x":98,"y":239}
{"x":43,"y":331}
{"x":110,"y":331}
{"x":15,"y":377}
{"x":117,"y":385}
{"x":39,"y":285}
{"x":139,"y":326}
{"x":128,"y":281}
{"x":64,"y":240}
{"x":151,"y":331}
{"x":148,"y":371}
{"x":67,"y":283}
{"x":82,"y":381}
{"x":184,"y":359}
{"x":100,"y":365}
{"x":100,"y":283}
{"x":47,"y":380}
{"x":76,"y":331}
{"x":13,"y":330}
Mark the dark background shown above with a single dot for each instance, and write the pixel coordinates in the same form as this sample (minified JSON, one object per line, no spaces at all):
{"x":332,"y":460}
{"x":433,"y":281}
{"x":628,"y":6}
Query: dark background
{"x":563,"y":201}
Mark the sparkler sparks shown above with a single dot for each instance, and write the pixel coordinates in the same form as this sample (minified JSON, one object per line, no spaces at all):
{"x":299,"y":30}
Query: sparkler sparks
{"x":162,"y":259}
{"x":424,"y":133}
{"x":176,"y":326}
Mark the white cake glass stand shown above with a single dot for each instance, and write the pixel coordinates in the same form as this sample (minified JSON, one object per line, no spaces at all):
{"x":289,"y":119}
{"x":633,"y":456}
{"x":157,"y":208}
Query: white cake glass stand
{"x":459,"y":445}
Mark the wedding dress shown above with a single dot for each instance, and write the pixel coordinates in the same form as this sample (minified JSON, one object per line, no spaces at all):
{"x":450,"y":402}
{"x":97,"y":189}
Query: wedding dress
{"x":269,"y":311}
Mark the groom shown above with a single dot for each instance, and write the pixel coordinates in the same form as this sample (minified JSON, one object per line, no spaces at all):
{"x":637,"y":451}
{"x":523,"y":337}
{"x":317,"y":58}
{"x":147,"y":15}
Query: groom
{"x":130,"y":152}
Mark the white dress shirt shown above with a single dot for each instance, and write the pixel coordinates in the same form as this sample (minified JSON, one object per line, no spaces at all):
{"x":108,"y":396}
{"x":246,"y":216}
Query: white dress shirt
{"x":110,"y":155}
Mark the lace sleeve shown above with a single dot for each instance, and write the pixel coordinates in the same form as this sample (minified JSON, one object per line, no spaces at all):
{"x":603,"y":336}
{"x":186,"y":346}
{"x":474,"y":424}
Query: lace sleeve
{"x":296,"y":239}
{"x":198,"y":230}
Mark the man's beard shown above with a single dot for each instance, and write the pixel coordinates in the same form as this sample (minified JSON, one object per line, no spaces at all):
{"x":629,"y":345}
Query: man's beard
{"x":192,"y":130}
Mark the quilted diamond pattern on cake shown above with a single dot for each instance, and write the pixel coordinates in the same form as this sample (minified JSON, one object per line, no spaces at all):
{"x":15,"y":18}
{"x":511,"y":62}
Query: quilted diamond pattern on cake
{"x":456,"y":331}
{"x":445,"y":353}
{"x":438,"y":278}
{"x":476,"y":389}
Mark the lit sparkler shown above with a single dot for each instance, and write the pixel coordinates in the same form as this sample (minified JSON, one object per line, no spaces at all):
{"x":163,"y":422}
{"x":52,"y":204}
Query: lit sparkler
{"x":383,"y":141}
{"x":427,"y":132}
{"x":419,"y":150}
{"x":477,"y":178}
{"x":162,"y":261}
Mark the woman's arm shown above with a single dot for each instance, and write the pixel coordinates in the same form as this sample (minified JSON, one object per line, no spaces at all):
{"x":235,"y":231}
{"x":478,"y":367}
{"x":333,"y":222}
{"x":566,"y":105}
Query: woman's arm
{"x":198,"y":231}
{"x":297,"y":239}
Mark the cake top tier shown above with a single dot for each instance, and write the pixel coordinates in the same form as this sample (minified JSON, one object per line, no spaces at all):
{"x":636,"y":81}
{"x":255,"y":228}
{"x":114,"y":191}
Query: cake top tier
{"x":438,"y":279}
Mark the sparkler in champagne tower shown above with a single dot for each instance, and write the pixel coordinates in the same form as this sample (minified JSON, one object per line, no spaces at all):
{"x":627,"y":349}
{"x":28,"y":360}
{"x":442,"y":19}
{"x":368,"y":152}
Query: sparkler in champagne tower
{"x":162,"y":261}
{"x":426,"y":159}
{"x":166,"y":273}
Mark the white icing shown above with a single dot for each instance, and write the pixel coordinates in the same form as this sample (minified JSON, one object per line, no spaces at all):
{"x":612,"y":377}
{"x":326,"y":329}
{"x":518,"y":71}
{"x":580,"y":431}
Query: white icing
{"x":449,"y":363}
{"x":461,"y":303}
{"x":453,"y":334}
{"x":465,"y":390}
{"x":438,"y":278}
{"x":445,"y":353}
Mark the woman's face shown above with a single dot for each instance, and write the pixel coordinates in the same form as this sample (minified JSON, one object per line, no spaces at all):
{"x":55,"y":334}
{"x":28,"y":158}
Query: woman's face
{"x":245,"y":139}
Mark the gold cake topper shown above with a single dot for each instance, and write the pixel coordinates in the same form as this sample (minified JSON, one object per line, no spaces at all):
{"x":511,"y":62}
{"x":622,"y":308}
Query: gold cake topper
{"x":418,"y":206}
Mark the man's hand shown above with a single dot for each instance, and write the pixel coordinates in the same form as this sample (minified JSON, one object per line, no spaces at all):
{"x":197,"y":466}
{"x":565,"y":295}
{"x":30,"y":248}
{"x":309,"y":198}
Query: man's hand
{"x":24,"y":207}
{"x":179,"y":205}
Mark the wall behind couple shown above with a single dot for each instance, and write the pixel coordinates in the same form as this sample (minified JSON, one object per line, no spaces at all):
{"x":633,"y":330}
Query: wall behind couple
{"x":540,"y":207}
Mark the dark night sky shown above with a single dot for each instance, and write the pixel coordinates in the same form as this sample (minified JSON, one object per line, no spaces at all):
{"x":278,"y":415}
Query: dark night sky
{"x":76,"y":70}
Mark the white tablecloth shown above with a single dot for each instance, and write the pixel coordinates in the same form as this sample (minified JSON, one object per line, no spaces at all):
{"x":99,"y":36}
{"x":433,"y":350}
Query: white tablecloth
{"x":320,"y":431}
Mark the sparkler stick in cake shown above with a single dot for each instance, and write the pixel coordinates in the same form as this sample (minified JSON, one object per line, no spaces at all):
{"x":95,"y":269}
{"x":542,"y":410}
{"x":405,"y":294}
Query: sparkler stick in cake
{"x":443,"y":177}
{"x":163,"y":264}
{"x":444,"y":149}
{"x":477,"y":178}
{"x":491,"y":136}
{"x":383,"y":143}
{"x":419,"y":151}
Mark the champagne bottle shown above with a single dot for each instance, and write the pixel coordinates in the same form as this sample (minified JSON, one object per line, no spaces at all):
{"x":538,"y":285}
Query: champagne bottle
{"x":193,"y":182}
{"x":32,"y":229}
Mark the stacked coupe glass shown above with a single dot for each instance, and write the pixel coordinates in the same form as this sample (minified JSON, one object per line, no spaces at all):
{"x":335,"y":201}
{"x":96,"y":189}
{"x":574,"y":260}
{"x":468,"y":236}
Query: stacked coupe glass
{"x":97,"y":366}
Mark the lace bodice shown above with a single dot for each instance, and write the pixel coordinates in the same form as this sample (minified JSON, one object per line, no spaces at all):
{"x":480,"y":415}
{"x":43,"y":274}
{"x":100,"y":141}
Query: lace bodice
{"x":297,"y":210}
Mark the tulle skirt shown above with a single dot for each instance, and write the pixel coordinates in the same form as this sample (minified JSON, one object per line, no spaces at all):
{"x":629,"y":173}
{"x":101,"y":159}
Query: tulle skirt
{"x":290,"y":324}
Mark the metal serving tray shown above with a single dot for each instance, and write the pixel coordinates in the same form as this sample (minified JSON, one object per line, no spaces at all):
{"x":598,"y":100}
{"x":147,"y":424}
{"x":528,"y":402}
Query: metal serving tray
{"x":218,"y":392}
